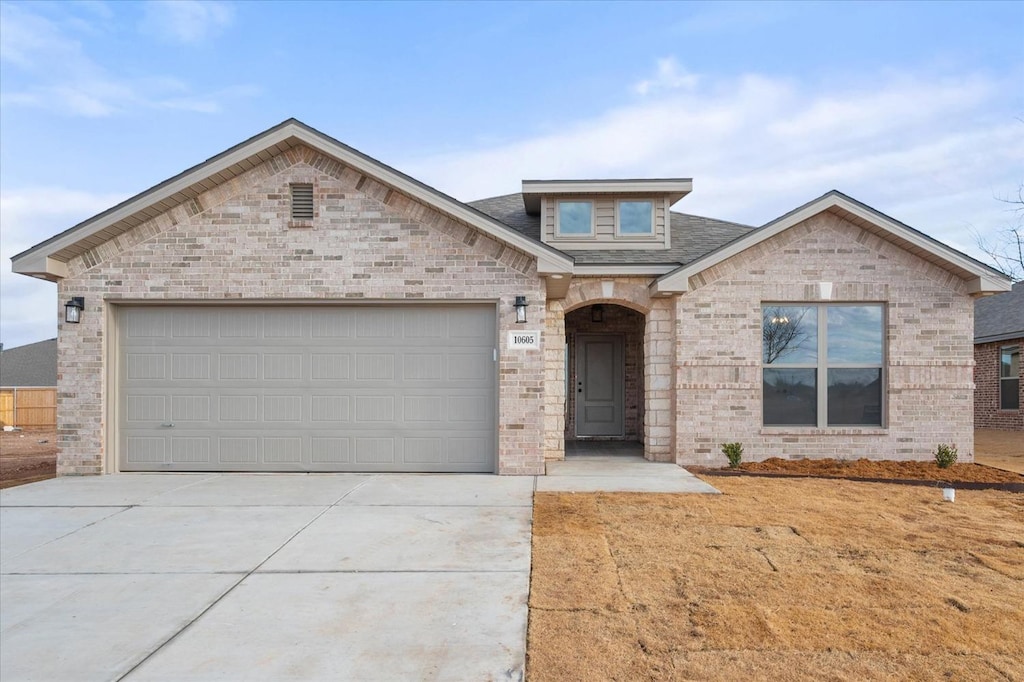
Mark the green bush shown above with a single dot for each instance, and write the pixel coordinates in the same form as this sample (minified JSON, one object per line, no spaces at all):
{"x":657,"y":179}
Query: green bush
{"x":734,"y":451}
{"x":945,"y":456}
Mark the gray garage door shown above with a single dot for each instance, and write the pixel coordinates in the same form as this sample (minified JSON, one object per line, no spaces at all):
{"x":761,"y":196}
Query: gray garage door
{"x":358,"y":388}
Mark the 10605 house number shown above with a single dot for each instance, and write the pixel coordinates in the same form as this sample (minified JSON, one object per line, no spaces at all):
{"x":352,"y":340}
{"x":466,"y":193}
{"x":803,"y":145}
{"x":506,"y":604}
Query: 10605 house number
{"x":523,"y":339}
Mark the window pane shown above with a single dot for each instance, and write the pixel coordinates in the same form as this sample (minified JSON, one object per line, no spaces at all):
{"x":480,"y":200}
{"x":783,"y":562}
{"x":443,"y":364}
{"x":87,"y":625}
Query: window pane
{"x":855,"y":334}
{"x":636,"y":217}
{"x":855,"y":397}
{"x":790,"y":397}
{"x":789,"y":335}
{"x":574,"y":217}
{"x":1009,"y":362}
{"x":1009,"y":394}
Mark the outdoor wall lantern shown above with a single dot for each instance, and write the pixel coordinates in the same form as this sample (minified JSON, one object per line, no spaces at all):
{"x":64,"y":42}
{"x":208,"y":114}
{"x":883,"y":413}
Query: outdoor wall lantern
{"x":597,"y":313}
{"x":73,"y":310}
{"x":520,"y":306}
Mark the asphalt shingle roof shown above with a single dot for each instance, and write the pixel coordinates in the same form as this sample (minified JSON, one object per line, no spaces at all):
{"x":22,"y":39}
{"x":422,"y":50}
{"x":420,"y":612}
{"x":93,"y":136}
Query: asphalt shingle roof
{"x":34,"y":364}
{"x":692,"y":236}
{"x":1000,"y":317}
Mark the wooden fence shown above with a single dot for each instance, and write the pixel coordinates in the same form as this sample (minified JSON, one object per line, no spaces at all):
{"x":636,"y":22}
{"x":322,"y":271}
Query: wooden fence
{"x":29,"y":408}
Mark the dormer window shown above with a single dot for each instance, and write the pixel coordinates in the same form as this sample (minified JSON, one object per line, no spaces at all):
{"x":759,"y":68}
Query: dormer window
{"x":635,"y":218}
{"x":575,"y":219}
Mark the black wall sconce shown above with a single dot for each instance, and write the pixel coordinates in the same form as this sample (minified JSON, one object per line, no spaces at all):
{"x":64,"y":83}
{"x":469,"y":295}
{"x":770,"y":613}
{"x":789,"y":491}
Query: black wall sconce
{"x":73,"y":310}
{"x":597,"y":313}
{"x":520,"y":306}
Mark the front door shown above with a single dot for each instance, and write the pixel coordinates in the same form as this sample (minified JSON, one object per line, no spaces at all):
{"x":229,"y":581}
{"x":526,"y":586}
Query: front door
{"x":599,"y":385}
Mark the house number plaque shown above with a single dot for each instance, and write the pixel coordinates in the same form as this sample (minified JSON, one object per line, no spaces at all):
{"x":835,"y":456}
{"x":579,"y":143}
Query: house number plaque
{"x":523,"y":339}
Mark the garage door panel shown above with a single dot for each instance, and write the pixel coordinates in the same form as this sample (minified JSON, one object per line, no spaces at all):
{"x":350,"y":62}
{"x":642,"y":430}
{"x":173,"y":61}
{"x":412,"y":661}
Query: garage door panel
{"x":394,"y":388}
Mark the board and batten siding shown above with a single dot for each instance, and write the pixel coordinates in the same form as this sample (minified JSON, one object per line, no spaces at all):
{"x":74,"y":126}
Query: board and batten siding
{"x":604,"y":224}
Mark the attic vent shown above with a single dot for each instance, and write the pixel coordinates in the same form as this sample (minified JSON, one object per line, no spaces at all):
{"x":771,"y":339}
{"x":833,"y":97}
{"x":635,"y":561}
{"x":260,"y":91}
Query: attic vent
{"x":302,"y":202}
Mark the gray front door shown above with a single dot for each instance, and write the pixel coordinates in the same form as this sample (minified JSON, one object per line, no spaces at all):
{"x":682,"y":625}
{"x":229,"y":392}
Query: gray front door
{"x":599,"y":385}
{"x":314,"y":388}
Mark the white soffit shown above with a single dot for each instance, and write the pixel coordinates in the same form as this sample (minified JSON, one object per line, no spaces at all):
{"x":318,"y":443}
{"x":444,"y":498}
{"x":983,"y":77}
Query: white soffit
{"x":981,"y":278}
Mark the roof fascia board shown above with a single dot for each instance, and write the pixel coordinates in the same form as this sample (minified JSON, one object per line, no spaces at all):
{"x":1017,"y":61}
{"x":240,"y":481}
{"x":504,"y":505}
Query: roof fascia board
{"x":983,"y":285}
{"x":1006,"y":336}
{"x":987,"y":279}
{"x":674,"y":188}
{"x":665,"y":185}
{"x":643,"y":270}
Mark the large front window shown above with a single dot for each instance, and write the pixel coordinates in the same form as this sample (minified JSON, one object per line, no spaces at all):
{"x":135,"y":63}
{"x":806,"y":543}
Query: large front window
{"x":1009,"y":378}
{"x":822,"y":364}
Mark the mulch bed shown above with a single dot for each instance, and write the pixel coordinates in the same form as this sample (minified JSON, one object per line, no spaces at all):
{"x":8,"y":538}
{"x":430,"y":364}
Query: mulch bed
{"x":964,"y":476}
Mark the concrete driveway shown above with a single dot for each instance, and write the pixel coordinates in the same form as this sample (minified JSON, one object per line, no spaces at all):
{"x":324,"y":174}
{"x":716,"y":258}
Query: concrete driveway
{"x":265,"y":577}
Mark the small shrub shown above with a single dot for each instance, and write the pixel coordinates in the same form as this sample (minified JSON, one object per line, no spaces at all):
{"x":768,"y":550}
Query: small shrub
{"x":945,"y":455}
{"x":733,"y":451}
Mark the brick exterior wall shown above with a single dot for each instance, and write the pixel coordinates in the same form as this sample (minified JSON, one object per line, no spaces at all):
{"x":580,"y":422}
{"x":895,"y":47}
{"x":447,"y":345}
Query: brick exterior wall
{"x":987,"y":414}
{"x":928,"y":337}
{"x":700,"y":352}
{"x":235,"y":243}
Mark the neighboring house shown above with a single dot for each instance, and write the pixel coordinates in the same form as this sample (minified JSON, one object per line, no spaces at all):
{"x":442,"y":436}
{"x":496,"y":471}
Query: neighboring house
{"x":998,"y":372}
{"x":28,"y":385}
{"x":294,"y":305}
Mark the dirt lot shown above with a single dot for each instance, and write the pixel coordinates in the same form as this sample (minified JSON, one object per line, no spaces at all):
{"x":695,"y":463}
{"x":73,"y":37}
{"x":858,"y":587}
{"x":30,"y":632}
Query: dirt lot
{"x":794,"y":579}
{"x":24,"y":459}
{"x":1003,"y":449}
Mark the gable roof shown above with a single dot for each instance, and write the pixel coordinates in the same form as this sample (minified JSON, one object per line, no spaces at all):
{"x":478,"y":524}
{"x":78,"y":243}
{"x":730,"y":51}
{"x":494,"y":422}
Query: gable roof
{"x":692,"y":236}
{"x":981,"y":278}
{"x":48,"y":259}
{"x":998,"y":318}
{"x":34,"y":364}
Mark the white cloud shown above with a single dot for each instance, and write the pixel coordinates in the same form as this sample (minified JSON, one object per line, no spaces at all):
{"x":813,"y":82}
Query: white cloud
{"x":670,"y":76}
{"x":186,"y":21}
{"x":30,"y":308}
{"x":60,"y":76}
{"x":931,"y":152}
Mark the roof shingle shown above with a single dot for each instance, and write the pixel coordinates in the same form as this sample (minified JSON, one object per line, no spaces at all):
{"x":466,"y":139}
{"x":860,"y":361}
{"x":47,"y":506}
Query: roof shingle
{"x":692,"y":236}
{"x":1000,"y":317}
{"x":34,"y":364}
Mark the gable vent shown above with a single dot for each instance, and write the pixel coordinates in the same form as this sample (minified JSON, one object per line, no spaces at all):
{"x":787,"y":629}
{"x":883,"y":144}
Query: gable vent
{"x":302,"y":202}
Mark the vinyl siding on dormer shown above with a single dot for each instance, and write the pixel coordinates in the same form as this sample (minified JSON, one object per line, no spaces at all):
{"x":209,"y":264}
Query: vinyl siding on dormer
{"x":604,"y":236}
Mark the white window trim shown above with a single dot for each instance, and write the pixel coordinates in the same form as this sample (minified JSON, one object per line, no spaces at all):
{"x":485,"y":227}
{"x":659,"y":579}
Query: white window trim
{"x":558,"y":219}
{"x":635,"y":235}
{"x":821,"y":367}
{"x":999,"y":372}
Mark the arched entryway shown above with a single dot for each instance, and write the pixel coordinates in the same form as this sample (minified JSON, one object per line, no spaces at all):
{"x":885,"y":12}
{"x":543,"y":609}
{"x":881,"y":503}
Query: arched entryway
{"x":604,"y":407}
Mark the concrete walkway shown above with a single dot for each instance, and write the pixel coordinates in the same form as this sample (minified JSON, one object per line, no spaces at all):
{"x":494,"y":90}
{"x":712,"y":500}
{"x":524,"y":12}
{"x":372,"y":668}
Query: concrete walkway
{"x":280,"y":576}
{"x":618,"y":473}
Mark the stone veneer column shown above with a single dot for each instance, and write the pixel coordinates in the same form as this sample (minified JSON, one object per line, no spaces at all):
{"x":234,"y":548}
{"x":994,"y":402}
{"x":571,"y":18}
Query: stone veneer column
{"x":554,"y":381}
{"x":659,"y":393}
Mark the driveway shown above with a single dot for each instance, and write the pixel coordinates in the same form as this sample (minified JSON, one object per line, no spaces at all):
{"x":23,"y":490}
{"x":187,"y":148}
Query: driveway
{"x":265,"y":577}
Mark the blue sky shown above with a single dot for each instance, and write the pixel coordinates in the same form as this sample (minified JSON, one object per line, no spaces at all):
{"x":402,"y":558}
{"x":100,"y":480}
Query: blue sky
{"x":914,"y":108}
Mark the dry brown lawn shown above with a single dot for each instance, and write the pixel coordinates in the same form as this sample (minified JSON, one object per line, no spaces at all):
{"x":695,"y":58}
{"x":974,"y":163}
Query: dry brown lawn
{"x":778,"y":579}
